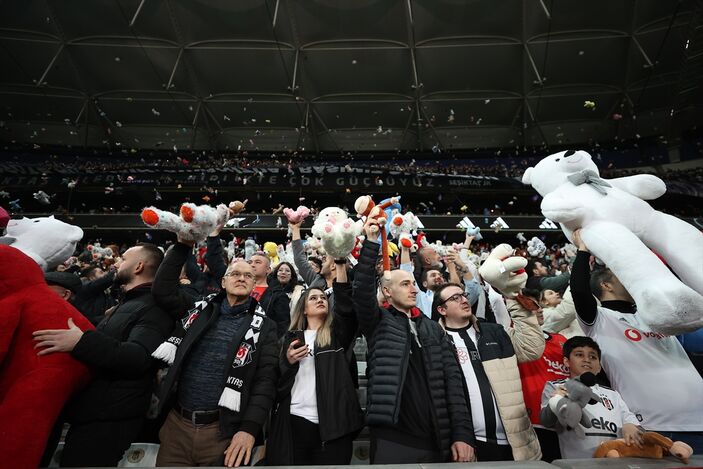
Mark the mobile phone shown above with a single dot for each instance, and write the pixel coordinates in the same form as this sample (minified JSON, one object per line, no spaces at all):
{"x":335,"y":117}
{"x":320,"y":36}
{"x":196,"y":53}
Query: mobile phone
{"x":297,"y":335}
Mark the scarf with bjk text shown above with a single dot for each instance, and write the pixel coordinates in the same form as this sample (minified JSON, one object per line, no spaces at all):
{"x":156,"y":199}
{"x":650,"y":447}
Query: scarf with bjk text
{"x":231,"y":397}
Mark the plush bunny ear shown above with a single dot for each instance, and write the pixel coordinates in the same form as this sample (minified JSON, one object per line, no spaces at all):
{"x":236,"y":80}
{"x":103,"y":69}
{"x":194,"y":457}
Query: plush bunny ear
{"x":526,"y":179}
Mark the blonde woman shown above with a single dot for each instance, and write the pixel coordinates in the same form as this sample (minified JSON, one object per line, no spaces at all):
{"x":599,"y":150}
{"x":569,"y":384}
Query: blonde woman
{"x":317,"y":413}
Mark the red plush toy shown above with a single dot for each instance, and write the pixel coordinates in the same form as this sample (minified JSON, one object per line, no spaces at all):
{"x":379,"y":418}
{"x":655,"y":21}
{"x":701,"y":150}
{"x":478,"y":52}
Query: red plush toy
{"x":33,"y":389}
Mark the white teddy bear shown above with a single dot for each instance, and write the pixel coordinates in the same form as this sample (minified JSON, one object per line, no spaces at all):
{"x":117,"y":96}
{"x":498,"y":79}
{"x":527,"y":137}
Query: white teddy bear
{"x":45,"y":239}
{"x":336,"y":231}
{"x":621,"y":229}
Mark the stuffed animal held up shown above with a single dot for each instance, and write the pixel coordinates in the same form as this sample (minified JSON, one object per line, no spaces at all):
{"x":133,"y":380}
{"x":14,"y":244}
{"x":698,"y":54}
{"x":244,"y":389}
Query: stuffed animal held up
{"x":45,"y":239}
{"x":570,"y":410}
{"x":620,"y":228}
{"x":194,"y":223}
{"x":336,"y":231}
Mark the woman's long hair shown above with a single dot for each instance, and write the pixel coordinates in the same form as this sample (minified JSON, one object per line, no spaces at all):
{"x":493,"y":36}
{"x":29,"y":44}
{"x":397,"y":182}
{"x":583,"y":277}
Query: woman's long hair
{"x":299,"y":321}
{"x":288,"y":287}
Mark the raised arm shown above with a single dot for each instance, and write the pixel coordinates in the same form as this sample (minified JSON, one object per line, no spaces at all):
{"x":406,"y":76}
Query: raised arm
{"x":166,"y":287}
{"x":364,"y":288}
{"x":299,"y":258}
{"x":214,"y":257}
{"x":345,"y":323}
{"x":584,"y":302}
{"x":526,"y":335}
{"x":99,"y":284}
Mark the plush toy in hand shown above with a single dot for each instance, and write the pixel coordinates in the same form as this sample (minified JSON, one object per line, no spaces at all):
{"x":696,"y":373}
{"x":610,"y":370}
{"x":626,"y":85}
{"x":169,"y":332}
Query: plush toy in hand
{"x":250,"y":247}
{"x":655,"y":446}
{"x":569,"y":409}
{"x":336,"y":231}
{"x":403,"y":223}
{"x":45,"y":239}
{"x":98,"y":252}
{"x":296,"y":216}
{"x":504,"y":271}
{"x":536,"y":248}
{"x":621,"y":228}
{"x":474,"y":232}
{"x":195,"y":222}
{"x":271,"y":250}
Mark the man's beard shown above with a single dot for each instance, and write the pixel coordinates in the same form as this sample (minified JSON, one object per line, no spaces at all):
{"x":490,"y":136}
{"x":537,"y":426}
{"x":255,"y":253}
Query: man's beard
{"x":122,"y":278}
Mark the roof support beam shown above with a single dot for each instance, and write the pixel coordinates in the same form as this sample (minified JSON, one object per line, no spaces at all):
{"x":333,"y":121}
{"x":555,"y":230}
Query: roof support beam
{"x":644,"y":54}
{"x":51,"y":64}
{"x":546,"y":10}
{"x":540,"y":80}
{"x":417,"y":85}
{"x":136,"y":13}
{"x":294,"y":87}
{"x":275,"y":14}
{"x":173,"y":71}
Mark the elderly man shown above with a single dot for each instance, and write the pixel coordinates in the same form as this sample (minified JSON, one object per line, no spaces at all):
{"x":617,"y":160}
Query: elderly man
{"x":417,"y":411}
{"x":225,"y":366}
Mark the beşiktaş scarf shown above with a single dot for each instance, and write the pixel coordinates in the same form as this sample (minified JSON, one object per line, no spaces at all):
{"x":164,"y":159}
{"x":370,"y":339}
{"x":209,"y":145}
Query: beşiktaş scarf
{"x":231,"y":396}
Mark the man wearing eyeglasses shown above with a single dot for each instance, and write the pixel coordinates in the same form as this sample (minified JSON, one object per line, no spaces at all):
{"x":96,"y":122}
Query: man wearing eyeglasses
{"x":223,"y":370}
{"x":488,"y":357}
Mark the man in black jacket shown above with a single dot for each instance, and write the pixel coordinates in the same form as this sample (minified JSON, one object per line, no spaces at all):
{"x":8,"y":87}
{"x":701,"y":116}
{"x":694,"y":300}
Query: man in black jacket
{"x":416,"y":408}
{"x":107,"y":416}
{"x":225,"y":366}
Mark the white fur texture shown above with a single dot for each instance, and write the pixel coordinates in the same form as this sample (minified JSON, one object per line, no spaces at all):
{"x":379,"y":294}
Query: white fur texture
{"x":621,"y":229}
{"x":45,"y":239}
{"x":336,"y":231}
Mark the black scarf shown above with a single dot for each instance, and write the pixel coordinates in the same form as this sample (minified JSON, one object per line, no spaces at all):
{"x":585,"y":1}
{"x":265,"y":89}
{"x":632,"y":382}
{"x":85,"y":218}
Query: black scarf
{"x":231,"y":397}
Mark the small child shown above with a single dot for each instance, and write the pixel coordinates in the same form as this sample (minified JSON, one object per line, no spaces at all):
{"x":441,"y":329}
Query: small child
{"x":611,"y":418}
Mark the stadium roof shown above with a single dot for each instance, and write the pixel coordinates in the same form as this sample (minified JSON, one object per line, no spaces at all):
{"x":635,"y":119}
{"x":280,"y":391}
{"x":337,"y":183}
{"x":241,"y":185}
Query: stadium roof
{"x":328,"y":75}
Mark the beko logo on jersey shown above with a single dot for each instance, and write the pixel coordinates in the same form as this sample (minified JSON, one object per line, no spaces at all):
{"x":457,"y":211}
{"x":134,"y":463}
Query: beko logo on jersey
{"x":635,"y":335}
{"x":602,"y":424}
{"x":560,"y":368}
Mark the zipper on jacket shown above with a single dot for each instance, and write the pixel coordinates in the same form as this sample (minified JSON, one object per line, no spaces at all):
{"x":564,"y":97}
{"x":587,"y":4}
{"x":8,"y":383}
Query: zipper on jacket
{"x":404,"y":372}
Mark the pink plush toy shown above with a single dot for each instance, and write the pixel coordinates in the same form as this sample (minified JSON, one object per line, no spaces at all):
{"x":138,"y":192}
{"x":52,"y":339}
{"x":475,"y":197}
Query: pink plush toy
{"x":297,"y":215}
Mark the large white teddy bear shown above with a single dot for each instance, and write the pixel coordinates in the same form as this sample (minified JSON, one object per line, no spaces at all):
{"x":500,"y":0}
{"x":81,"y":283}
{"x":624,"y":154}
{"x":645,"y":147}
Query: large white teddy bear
{"x":45,"y":239}
{"x":621,"y":229}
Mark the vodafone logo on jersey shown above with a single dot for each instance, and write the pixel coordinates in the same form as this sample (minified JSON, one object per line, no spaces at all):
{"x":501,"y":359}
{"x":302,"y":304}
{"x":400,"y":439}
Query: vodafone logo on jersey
{"x":635,"y":335}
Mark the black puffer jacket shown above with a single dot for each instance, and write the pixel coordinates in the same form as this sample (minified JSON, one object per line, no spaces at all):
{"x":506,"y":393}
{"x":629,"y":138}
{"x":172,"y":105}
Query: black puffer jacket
{"x":388,"y":335}
{"x":119,"y":354}
{"x":337,"y":403}
{"x":261,"y":374}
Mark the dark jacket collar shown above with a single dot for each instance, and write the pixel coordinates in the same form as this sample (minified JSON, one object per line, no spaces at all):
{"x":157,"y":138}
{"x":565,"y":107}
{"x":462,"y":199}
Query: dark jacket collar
{"x":620,"y":306}
{"x":136,"y":292}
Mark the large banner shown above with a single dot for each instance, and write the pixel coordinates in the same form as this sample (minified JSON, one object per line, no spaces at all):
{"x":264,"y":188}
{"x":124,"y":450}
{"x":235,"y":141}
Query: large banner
{"x":321,"y":177}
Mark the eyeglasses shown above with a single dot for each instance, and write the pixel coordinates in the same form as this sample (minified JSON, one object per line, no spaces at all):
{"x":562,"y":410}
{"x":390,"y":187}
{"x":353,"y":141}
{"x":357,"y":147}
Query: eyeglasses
{"x":455,"y":297}
{"x":246,"y":275}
